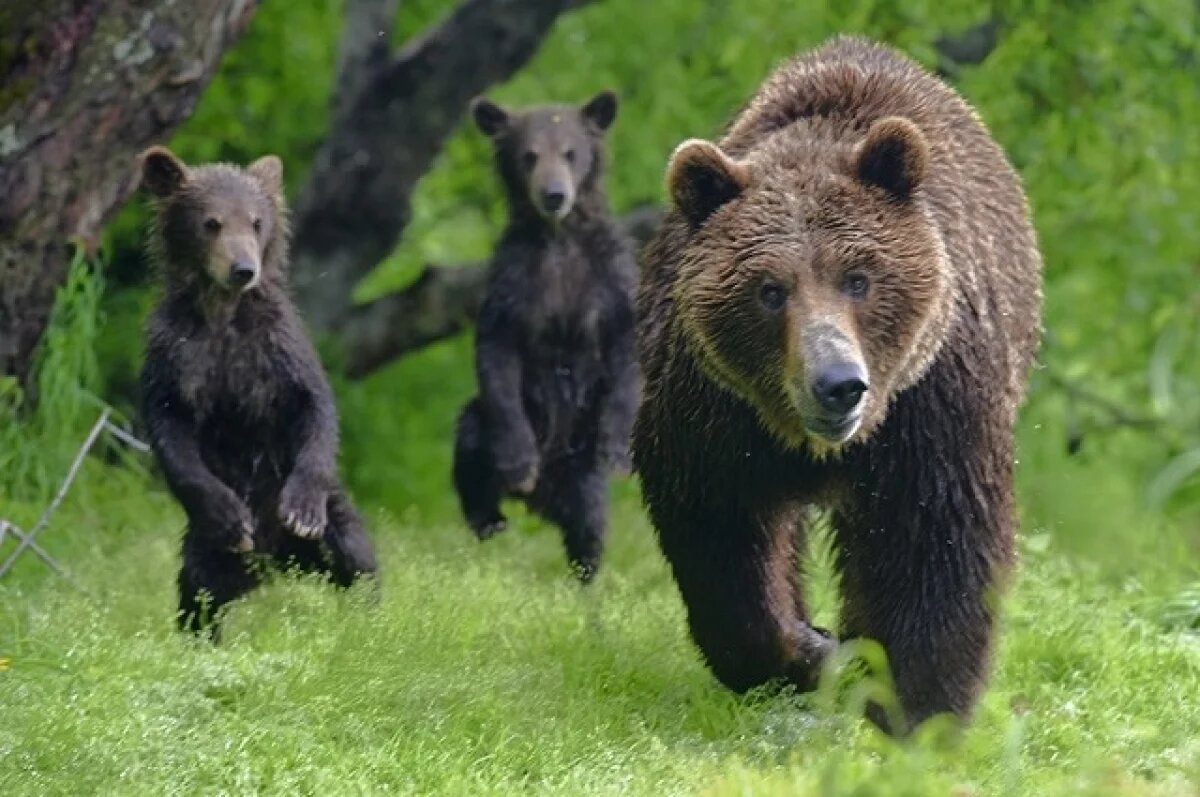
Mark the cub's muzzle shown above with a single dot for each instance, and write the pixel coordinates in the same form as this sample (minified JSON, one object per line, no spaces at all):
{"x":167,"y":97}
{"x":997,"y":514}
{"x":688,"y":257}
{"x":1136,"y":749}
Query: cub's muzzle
{"x":242,"y":274}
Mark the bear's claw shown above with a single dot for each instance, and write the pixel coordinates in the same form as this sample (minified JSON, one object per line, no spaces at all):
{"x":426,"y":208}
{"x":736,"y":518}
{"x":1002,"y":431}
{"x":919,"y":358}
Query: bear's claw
{"x":306,"y":531}
{"x":490,"y":528}
{"x":244,"y":544}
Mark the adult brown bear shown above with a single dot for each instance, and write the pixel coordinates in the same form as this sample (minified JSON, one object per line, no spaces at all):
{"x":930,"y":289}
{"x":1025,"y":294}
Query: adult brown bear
{"x":840,"y":311}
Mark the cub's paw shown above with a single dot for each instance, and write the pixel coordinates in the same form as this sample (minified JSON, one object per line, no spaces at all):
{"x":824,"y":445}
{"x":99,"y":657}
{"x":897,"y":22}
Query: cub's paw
{"x":489,"y":527}
{"x":585,"y":569}
{"x":230,"y":523}
{"x":521,"y":476}
{"x":302,"y":509}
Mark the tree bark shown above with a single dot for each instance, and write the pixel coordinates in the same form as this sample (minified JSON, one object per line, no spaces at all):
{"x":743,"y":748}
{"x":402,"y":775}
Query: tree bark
{"x":84,"y":86}
{"x":355,"y":205}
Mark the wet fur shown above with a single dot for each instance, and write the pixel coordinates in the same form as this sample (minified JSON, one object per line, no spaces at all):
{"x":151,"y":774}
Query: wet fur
{"x":239,"y":411}
{"x":555,"y":354}
{"x":922,"y":496}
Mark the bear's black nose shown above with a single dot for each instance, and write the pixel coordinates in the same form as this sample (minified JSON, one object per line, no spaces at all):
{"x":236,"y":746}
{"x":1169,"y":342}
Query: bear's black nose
{"x":839,"y":387}
{"x":553,"y":199}
{"x":242,"y":273}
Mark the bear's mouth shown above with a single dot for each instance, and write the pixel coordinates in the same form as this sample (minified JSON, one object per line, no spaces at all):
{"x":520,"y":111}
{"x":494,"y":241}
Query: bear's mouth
{"x":835,"y":430}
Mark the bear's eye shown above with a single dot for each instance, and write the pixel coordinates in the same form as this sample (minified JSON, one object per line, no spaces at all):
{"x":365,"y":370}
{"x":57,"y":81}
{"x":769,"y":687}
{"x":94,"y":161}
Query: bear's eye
{"x":257,"y":224}
{"x":773,"y":296}
{"x":855,"y":285}
{"x":569,"y":155}
{"x":529,"y":159}
{"x":212,"y":225}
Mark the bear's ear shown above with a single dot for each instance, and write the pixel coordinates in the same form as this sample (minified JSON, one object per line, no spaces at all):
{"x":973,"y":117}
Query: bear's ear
{"x":162,"y":172}
{"x":601,"y":110}
{"x":489,"y":117}
{"x":894,"y":156}
{"x":702,"y":178}
{"x":268,"y":170}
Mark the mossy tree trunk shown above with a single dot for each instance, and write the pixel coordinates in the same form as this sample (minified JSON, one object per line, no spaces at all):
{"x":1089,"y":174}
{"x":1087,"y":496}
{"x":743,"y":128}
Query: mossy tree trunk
{"x":84,"y":86}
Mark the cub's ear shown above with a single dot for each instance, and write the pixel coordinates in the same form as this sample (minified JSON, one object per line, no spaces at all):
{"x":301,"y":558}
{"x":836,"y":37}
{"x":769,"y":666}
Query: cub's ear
{"x":490,"y":118}
{"x":268,"y":170}
{"x":894,"y":156}
{"x":701,"y":178}
{"x":162,"y":172}
{"x":601,"y":110}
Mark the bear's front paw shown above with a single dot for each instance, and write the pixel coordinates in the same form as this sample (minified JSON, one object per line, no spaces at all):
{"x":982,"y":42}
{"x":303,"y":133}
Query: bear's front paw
{"x":229,"y":521}
{"x":486,"y":529}
{"x":302,"y":508}
{"x":519,"y":477}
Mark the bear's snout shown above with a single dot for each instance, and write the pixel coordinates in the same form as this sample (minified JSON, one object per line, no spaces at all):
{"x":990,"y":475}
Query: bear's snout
{"x":553,"y":198}
{"x":242,"y":273}
{"x":839,"y":387}
{"x":833,"y":390}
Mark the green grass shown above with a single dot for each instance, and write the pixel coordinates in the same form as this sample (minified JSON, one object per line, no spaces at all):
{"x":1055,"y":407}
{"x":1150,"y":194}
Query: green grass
{"x":485,"y":670}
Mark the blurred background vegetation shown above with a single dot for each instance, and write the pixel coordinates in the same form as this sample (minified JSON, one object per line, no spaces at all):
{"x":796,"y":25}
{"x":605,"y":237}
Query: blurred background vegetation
{"x":1095,"y":102}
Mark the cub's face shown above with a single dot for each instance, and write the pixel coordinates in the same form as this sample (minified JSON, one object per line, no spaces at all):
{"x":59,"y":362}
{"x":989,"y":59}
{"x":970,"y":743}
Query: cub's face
{"x":813,"y":288}
{"x":546,"y":154}
{"x":216,"y":222}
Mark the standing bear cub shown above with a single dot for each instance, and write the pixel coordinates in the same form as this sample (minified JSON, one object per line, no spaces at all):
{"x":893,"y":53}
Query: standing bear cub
{"x":238,"y":408}
{"x":840,"y":311}
{"x":555,"y":349}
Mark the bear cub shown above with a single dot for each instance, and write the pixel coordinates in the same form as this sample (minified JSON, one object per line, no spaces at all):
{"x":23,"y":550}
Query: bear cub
{"x":237,"y":406}
{"x":555,"y":347}
{"x":840,"y":312}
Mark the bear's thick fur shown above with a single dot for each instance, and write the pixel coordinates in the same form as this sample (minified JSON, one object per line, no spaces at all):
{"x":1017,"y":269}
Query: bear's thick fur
{"x":555,"y":350}
{"x":237,"y":406}
{"x":840,"y":312}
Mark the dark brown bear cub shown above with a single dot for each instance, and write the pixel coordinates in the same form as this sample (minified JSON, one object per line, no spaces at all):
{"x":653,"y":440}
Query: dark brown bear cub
{"x":555,"y":352}
{"x":840,"y":312}
{"x":238,"y":408}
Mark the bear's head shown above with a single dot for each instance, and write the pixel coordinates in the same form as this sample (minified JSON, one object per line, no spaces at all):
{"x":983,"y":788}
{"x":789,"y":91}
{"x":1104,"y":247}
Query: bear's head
{"x":220,"y":225}
{"x":812,"y":280}
{"x":548,"y":156}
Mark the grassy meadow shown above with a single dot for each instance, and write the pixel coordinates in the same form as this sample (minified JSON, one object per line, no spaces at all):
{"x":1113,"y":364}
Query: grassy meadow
{"x":485,"y":669}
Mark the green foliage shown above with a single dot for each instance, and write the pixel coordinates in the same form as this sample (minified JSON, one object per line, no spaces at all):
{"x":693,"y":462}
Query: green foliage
{"x":39,"y":438}
{"x":1091,"y":101}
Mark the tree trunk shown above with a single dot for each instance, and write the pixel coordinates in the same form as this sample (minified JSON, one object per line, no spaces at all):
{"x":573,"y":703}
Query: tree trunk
{"x":84,"y":86}
{"x":385,"y":136}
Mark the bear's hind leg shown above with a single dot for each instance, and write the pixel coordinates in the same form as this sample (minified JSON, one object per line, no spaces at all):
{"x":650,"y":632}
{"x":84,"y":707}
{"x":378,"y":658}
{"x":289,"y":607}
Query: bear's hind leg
{"x":351,"y":551}
{"x":475,"y":478}
{"x":209,"y":579}
{"x":576,"y":500}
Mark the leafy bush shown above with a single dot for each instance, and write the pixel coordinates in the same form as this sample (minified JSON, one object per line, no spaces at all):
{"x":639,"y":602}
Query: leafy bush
{"x":39,"y":438}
